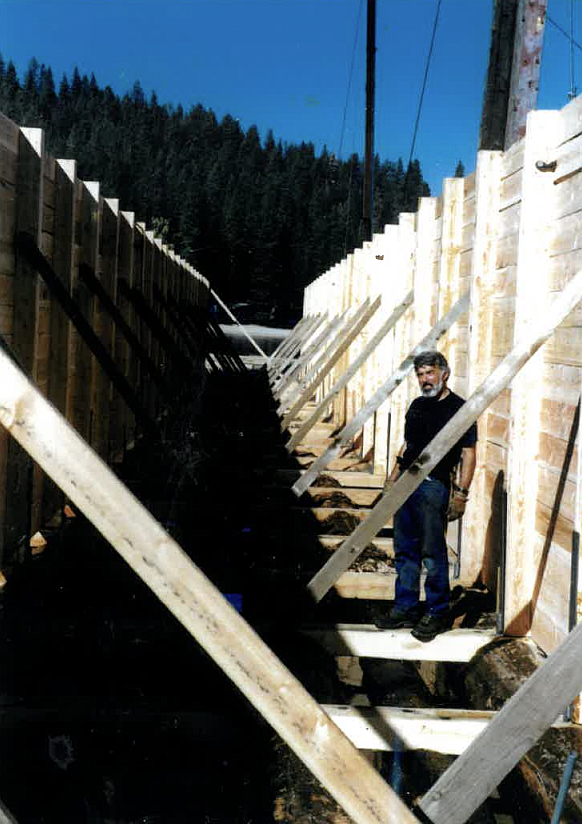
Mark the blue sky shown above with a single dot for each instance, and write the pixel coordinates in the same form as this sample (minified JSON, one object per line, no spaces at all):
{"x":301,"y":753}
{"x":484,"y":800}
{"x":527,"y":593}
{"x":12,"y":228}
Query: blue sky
{"x":286,"y":64}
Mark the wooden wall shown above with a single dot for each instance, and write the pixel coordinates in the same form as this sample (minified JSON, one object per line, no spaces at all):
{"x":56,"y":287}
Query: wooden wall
{"x":510,"y":233}
{"x":72,"y":224}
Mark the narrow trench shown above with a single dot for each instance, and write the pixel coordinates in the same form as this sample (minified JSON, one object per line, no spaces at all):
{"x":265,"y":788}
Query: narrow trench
{"x":112,"y":713}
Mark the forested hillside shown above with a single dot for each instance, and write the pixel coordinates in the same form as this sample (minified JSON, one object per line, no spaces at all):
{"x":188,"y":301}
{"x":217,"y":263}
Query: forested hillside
{"x":258,"y":217}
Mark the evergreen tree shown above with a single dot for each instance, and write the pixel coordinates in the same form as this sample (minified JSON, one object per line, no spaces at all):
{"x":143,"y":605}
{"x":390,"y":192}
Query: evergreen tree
{"x":460,"y":169}
{"x":261,"y":219}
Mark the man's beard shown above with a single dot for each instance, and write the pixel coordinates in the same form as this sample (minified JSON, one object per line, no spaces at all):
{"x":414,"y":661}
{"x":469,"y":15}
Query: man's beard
{"x":432,"y":391}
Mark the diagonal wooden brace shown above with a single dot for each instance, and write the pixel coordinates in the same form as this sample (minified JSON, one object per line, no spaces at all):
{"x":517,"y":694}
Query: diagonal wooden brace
{"x":201,"y":608}
{"x":378,"y":398}
{"x":344,"y":344}
{"x":310,"y":352}
{"x":491,"y":387}
{"x":386,"y":327}
{"x":291,"y":352}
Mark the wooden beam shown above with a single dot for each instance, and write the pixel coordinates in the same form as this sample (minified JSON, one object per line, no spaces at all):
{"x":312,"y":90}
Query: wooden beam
{"x":391,"y":729}
{"x":313,"y":350}
{"x":279,"y":348}
{"x":300,"y":332}
{"x":517,"y":726}
{"x":27,"y":247}
{"x":349,"y":319}
{"x":348,"y":335}
{"x":365,"y":641}
{"x":253,"y":343}
{"x":306,"y":345}
{"x":386,"y":327}
{"x":87,"y":274}
{"x":352,"y":428}
{"x":196,"y":603}
{"x":531,"y":296}
{"x":498,"y":380}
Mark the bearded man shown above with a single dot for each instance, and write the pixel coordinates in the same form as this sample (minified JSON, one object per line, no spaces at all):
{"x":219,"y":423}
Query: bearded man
{"x":420,"y":523}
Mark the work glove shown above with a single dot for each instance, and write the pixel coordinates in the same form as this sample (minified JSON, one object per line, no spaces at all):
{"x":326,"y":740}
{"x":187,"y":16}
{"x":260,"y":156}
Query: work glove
{"x":457,"y":504}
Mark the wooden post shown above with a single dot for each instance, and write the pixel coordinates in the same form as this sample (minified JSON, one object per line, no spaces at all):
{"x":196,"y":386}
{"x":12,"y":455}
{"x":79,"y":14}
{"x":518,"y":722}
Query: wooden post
{"x":525,"y":69}
{"x":477,"y":563}
{"x":379,"y":397}
{"x":129,"y":362}
{"x":533,"y":337}
{"x":22,"y":503}
{"x":385,"y":329}
{"x":196,"y":603}
{"x":530,"y":307}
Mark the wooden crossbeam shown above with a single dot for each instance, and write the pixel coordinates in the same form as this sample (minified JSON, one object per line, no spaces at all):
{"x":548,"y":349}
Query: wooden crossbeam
{"x":87,"y":274}
{"x":448,"y":436}
{"x":522,"y":720}
{"x":348,"y":322}
{"x":195,"y":602}
{"x":317,"y":414}
{"x":224,"y":342}
{"x":347,"y":337}
{"x":318,"y":344}
{"x":291,"y":358}
{"x":26,"y":246}
{"x":391,"y":729}
{"x":381,"y":394}
{"x":365,"y":641}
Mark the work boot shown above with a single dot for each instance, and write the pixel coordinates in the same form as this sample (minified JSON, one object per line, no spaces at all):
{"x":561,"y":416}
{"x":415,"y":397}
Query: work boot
{"x":397,"y":619}
{"x":430,"y":626}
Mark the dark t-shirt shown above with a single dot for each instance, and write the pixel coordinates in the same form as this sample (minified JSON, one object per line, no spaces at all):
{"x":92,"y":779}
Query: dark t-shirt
{"x":426,"y":417}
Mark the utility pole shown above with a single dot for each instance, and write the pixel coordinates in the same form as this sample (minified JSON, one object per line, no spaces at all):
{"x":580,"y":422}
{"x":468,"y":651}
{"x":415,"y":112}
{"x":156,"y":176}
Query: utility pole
{"x":368,"y":196}
{"x":511,"y":90}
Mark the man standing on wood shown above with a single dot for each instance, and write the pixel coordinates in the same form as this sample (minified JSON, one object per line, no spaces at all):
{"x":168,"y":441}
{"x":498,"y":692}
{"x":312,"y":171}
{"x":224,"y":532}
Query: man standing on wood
{"x":420,"y":523}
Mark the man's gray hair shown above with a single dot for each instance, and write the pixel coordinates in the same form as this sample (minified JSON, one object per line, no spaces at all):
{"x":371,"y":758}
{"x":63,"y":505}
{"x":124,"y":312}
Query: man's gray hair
{"x":431,"y":358}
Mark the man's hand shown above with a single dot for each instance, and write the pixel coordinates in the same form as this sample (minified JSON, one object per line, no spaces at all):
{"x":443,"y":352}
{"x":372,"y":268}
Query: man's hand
{"x":457,"y":504}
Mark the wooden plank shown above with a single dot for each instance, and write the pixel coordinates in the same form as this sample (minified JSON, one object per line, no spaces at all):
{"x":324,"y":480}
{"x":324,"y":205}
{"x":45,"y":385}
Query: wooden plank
{"x":292,"y":342}
{"x":391,"y":729}
{"x":366,"y":641}
{"x":282,"y":382}
{"x":316,"y":415}
{"x":288,"y":394}
{"x":530,"y":308}
{"x":196,"y":603}
{"x":305,"y":343}
{"x":475,"y":522}
{"x":380,"y":396}
{"x":499,"y":379}
{"x":22,"y":506}
{"x":347,"y":336}
{"x":517,"y":726}
{"x":27,"y":246}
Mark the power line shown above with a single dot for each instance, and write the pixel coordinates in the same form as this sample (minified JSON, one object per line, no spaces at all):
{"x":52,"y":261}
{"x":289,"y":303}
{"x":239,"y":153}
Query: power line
{"x":350,"y":78}
{"x":436,"y":19}
{"x":565,"y":33}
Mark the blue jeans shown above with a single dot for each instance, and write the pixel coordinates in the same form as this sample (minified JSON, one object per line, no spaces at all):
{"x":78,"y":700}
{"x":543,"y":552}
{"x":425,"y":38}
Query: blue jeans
{"x":419,"y":536}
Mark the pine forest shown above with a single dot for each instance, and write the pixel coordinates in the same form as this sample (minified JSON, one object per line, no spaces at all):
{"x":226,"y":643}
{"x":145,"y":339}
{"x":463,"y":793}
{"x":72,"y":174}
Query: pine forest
{"x":259,"y":217}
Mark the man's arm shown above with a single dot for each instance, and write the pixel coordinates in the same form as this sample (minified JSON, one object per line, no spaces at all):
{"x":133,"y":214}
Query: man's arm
{"x":460,"y":491}
{"x":396,"y":472}
{"x":468,"y":463}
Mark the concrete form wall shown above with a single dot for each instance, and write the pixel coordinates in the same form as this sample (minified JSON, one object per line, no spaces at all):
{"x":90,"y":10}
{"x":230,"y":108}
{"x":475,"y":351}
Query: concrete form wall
{"x":71,"y":223}
{"x":511,"y":234}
